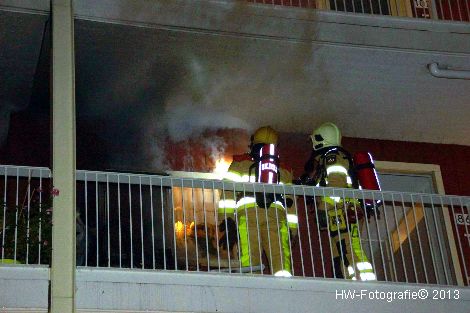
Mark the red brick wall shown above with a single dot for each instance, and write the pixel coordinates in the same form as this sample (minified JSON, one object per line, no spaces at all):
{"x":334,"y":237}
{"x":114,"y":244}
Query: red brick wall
{"x":454,"y":160}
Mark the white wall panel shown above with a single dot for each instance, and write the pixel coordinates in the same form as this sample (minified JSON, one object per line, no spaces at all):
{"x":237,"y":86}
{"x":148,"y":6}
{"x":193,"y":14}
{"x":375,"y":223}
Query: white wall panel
{"x":192,"y":292}
{"x":25,"y":290}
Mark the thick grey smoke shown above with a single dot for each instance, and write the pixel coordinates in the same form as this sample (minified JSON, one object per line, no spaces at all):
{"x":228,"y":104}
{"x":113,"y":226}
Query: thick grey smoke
{"x":192,"y":108}
{"x":216,"y":147}
{"x":186,"y":120}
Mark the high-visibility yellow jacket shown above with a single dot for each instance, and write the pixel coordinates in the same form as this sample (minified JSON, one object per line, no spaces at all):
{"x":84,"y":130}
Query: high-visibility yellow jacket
{"x":231,"y":203}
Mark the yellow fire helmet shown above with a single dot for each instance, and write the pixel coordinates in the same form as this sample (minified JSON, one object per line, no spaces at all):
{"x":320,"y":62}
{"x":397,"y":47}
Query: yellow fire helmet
{"x":265,"y":134}
{"x":327,"y":135}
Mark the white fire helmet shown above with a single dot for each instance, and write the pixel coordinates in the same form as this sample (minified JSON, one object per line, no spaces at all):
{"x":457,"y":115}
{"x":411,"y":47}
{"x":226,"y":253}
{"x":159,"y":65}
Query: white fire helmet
{"x":327,"y":135}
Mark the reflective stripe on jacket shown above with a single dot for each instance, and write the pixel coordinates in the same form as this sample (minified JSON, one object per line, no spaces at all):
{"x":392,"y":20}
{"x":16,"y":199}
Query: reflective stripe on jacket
{"x":239,"y":172}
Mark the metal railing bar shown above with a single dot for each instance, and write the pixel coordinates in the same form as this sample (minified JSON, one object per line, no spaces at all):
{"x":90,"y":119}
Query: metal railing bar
{"x":28,"y":216}
{"x":419,"y":241}
{"x":216,"y":213}
{"x":260,"y":250}
{"x":239,"y":247}
{"x":183,"y":208}
{"x":226,"y":234}
{"x":299,"y":237}
{"x":409,"y":238}
{"x":389,"y":242}
{"x":130,"y":222}
{"x":369,"y":238}
{"x":4,"y":212}
{"x":279,"y":236}
{"x":86,"y":220}
{"x":309,"y":237}
{"x":163,"y":228}
{"x":205,"y":227}
{"x":108,"y":223}
{"x":141,"y":227}
{"x":399,"y":239}
{"x":327,"y":219}
{"x":152,"y":224}
{"x":119,"y":221}
{"x":195,"y":228}
{"x":462,"y":208}
{"x":269,"y":236}
{"x":173,"y":223}
{"x":41,"y":190}
{"x":349,"y":230}
{"x":384,"y":264}
{"x":430,"y":242}
{"x":16,"y":212}
{"x":450,"y":10}
{"x":459,"y":242}
{"x":438,"y":230}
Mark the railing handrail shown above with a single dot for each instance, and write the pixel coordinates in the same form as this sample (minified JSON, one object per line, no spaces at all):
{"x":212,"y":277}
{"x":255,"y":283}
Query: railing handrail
{"x":303,"y":190}
{"x":300,"y":190}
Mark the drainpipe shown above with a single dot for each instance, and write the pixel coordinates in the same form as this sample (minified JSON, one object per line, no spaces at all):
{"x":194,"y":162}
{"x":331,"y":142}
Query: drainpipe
{"x":445,"y":73}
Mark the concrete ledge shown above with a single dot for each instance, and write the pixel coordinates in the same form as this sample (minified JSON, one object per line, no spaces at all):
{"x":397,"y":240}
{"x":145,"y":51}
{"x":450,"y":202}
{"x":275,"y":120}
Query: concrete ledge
{"x":238,"y":18}
{"x":108,"y":289}
{"x":121,"y":290}
{"x":24,"y":287}
{"x":26,"y":6}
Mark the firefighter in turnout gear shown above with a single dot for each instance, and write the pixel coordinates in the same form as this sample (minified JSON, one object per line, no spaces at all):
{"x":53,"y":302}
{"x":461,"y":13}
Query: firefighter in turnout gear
{"x":332,"y":166}
{"x":259,"y":222}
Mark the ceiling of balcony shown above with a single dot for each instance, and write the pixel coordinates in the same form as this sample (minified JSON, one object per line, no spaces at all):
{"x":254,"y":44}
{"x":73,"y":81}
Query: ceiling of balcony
{"x":144,"y":74}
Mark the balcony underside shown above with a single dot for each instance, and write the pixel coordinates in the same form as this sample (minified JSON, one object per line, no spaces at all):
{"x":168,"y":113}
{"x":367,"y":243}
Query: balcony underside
{"x":109,"y":290}
{"x":239,"y":60}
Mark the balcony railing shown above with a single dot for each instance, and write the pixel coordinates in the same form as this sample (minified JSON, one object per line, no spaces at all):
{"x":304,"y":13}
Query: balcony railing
{"x":453,"y":10}
{"x":157,"y":222}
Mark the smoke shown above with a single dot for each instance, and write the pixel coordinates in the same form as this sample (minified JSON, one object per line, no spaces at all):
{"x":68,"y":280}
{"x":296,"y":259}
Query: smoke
{"x":191,"y":118}
{"x":171,"y":102}
{"x":216,"y":148}
{"x":185,"y":121}
{"x":195,"y":129}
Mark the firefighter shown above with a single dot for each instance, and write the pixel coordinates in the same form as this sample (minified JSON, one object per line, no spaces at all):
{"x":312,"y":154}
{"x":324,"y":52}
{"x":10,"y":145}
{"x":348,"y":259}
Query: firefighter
{"x":259,"y":222}
{"x":332,"y":166}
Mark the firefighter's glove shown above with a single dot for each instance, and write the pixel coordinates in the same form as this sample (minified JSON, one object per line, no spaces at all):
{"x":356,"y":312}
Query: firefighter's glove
{"x":289,"y":202}
{"x":285,"y":200}
{"x":305,"y":179}
{"x":229,"y":227}
{"x":354,"y":214}
{"x":372,"y":210}
{"x":264,"y":201}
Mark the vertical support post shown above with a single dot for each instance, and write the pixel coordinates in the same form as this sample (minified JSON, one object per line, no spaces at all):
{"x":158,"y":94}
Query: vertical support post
{"x":63,"y":158}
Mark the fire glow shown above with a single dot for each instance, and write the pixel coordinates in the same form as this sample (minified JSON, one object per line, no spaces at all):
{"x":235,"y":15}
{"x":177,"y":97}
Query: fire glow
{"x":221,"y":167}
{"x":180,"y":229}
